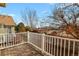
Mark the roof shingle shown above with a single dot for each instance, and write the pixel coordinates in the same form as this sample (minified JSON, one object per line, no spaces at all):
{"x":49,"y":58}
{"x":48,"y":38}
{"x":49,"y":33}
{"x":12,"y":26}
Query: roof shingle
{"x":6,"y":20}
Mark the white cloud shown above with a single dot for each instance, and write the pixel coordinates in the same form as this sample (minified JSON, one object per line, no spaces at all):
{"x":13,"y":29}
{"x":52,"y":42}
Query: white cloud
{"x":44,"y":12}
{"x":11,"y":14}
{"x":7,"y":14}
{"x":51,"y":3}
{"x":3,"y":13}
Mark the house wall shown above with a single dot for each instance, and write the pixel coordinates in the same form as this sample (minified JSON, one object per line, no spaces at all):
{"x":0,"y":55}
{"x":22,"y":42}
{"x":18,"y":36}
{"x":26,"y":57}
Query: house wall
{"x":4,"y":30}
{"x":13,"y":29}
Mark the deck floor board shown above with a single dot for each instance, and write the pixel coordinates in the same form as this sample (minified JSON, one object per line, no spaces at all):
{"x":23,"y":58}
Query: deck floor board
{"x":21,"y":50}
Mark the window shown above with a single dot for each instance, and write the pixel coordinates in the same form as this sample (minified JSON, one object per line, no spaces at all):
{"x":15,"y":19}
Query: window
{"x":0,"y":26}
{"x":9,"y":30}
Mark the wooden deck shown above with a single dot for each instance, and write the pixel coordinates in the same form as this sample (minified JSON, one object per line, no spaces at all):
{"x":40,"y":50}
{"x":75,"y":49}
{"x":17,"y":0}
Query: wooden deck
{"x":21,"y":50}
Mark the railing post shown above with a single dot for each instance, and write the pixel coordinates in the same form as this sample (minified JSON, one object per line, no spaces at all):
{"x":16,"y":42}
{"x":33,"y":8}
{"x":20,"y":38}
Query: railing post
{"x":28,"y":36}
{"x":0,"y":52}
{"x":43,"y":37}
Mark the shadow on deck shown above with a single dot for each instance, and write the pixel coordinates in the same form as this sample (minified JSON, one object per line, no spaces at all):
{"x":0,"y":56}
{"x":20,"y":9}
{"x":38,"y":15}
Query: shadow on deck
{"x":21,"y":50}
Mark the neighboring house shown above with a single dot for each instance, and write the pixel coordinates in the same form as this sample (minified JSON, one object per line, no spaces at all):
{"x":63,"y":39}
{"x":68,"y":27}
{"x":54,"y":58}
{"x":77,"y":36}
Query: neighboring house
{"x":7,"y":25}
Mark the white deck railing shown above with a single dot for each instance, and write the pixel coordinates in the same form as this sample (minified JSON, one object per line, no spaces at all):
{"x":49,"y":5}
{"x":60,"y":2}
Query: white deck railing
{"x":12,"y":39}
{"x":51,"y":45}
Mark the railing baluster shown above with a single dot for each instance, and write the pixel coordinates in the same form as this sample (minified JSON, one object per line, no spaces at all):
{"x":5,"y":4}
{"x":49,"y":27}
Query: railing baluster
{"x":61,"y":48}
{"x":49,"y":44}
{"x":22,"y":38}
{"x":73,"y":48}
{"x":8,"y":40}
{"x":46,"y":43}
{"x":57,"y":46}
{"x":18,"y":37}
{"x":78,"y":50}
{"x":64,"y":46}
{"x":5,"y":41}
{"x":54,"y":45}
{"x":43,"y":43}
{"x":68,"y":47}
{"x":1,"y":40}
{"x":12,"y":39}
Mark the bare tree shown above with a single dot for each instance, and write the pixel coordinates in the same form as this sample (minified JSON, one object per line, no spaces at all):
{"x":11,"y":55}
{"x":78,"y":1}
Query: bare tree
{"x":2,"y":4}
{"x":29,"y":17}
{"x":67,"y":16}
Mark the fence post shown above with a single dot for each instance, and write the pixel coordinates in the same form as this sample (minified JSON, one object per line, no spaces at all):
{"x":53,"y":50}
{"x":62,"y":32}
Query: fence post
{"x":43,"y":37}
{"x":28,"y":36}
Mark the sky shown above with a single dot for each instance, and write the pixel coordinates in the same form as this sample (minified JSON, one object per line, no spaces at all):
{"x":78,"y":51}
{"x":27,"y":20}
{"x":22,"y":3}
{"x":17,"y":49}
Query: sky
{"x":15,"y":9}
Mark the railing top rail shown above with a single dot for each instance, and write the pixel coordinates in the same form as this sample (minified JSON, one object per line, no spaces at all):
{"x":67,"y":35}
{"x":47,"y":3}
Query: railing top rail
{"x":13,"y":33}
{"x":59,"y":37}
{"x":45,"y":35}
{"x":36,"y":33}
{"x":63,"y":38}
